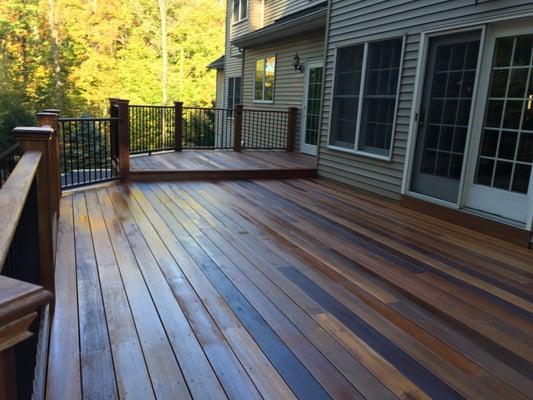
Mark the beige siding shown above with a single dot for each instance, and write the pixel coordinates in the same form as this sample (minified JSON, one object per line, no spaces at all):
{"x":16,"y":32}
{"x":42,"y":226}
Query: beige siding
{"x":356,"y":21}
{"x":233,"y":58}
{"x":258,"y":18}
{"x":275,"y":9}
{"x":289,"y":84}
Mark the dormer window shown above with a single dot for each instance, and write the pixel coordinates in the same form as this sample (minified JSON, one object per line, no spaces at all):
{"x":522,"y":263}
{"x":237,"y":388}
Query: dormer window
{"x":240,"y":10}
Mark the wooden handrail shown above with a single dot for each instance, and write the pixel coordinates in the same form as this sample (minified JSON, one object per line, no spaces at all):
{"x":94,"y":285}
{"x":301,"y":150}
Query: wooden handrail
{"x":13,"y":197}
{"x":18,"y":299}
{"x":27,"y":193}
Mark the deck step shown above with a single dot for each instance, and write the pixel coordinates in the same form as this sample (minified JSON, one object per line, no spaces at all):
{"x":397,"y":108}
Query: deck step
{"x":221,"y":174}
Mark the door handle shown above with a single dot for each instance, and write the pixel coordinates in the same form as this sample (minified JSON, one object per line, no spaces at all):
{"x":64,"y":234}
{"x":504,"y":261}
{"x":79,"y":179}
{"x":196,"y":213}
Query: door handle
{"x":420,"y":117}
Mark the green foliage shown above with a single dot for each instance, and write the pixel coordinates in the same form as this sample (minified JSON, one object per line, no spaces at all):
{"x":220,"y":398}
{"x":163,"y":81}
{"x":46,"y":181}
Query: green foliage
{"x":76,"y":54}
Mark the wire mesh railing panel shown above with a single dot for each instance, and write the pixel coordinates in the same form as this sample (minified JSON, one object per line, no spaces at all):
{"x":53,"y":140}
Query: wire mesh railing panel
{"x":8,"y":160}
{"x":207,"y":128}
{"x":264,"y":129}
{"x":22,"y":263}
{"x":151,"y":128}
{"x":86,"y":151}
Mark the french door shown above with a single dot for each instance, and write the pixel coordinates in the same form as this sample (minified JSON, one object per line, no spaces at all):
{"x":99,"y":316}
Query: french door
{"x":499,"y":179}
{"x":444,"y":115}
{"x":311,"y":108}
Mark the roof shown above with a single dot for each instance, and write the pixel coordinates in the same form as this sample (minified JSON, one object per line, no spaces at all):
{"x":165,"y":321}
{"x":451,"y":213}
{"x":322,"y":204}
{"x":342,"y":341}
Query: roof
{"x":306,"y":20}
{"x":217,"y":64}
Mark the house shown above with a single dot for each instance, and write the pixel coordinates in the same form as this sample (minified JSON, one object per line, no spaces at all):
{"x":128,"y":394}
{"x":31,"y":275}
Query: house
{"x":154,"y":262}
{"x":274,"y":60}
{"x":426,"y":101}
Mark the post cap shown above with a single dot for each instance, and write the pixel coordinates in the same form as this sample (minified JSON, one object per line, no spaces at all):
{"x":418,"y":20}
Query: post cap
{"x":33,"y":132}
{"x":46,"y":114}
{"x":52,"y":110}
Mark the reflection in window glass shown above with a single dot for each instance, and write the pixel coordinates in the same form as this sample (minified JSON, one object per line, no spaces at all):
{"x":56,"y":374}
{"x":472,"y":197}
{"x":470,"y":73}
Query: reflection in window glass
{"x":265,"y":76}
{"x":346,"y":96}
{"x":379,"y":86}
{"x":240,"y":10}
{"x":506,"y":148}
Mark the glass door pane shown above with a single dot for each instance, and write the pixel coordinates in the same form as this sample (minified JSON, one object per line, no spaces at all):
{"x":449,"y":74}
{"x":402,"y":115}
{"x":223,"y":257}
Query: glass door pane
{"x":311,"y":112}
{"x":445,"y":114}
{"x":506,"y":146}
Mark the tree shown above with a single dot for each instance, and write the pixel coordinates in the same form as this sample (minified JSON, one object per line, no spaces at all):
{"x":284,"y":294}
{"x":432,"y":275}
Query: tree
{"x":75,"y":54}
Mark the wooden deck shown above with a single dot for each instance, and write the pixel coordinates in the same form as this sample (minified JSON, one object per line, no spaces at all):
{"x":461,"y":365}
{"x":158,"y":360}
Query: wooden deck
{"x":282,"y":289}
{"x":222,"y":164}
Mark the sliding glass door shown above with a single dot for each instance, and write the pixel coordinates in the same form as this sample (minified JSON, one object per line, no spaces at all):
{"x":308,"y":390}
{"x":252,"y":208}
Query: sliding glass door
{"x":444,"y":115}
{"x":500,"y":179}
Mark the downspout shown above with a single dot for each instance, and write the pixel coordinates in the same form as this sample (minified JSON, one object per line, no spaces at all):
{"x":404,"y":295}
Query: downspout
{"x":242,"y":74}
{"x":326,"y":43}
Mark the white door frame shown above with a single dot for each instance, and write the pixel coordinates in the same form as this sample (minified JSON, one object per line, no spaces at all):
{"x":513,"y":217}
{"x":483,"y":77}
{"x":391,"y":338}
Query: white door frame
{"x":418,"y":97}
{"x":483,"y":198}
{"x":307,"y":148}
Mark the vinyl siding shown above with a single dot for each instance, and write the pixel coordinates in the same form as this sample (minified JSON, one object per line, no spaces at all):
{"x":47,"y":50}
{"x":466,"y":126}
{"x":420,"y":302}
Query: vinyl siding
{"x":257,"y":18}
{"x":275,"y":9}
{"x":357,"y":21}
{"x":289,"y":84}
{"x":233,"y":58}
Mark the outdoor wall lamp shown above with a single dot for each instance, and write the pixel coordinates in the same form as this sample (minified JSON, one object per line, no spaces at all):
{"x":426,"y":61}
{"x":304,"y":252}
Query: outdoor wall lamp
{"x":298,"y":66}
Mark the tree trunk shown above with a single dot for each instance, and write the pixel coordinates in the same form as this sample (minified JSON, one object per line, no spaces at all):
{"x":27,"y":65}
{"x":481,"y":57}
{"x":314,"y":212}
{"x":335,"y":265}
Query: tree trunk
{"x":164,"y":49}
{"x":54,"y":34}
{"x":181,"y":74}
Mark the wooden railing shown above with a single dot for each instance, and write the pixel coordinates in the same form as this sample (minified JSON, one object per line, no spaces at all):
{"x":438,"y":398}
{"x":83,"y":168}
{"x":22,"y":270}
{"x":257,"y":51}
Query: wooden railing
{"x":29,"y":204}
{"x":86,"y":151}
{"x":161,"y":128}
{"x":93,"y":150}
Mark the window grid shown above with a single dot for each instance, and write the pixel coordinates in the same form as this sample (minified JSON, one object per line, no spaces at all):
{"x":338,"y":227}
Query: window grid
{"x":360,"y":133}
{"x":265,"y":77}
{"x":379,"y":99}
{"x":443,"y":153}
{"x":234,"y":94}
{"x":347,"y":80}
{"x":313,"y":106}
{"x":500,"y":164}
{"x":240,"y":10}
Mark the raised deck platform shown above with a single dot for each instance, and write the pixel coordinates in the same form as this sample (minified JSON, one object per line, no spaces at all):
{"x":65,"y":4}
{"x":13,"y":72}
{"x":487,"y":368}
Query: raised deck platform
{"x":280,"y":290}
{"x":221,"y":164}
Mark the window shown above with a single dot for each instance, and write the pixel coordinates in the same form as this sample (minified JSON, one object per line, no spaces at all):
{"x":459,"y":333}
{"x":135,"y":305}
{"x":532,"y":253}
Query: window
{"x":364,"y":123}
{"x":234,"y":93}
{"x":265,"y":74}
{"x":506,"y":151}
{"x":240,"y":10}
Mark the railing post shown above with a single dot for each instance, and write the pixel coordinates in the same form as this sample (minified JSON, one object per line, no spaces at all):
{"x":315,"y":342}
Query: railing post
{"x":178,"y":125}
{"x":50,"y":118}
{"x":237,"y":127}
{"x":123,"y":138}
{"x":40,"y":139}
{"x":291,"y":128}
{"x":8,"y":374}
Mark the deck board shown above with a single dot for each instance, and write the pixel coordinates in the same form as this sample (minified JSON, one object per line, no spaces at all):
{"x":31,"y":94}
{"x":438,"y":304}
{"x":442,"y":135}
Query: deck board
{"x":282,"y":289}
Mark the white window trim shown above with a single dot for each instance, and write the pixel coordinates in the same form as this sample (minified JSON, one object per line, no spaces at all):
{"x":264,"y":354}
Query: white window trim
{"x":355,"y":150}
{"x":238,"y":21}
{"x":262,"y":100}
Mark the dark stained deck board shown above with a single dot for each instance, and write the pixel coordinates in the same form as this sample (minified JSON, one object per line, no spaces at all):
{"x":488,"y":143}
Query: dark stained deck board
{"x":435,"y":346}
{"x":283,"y":289}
